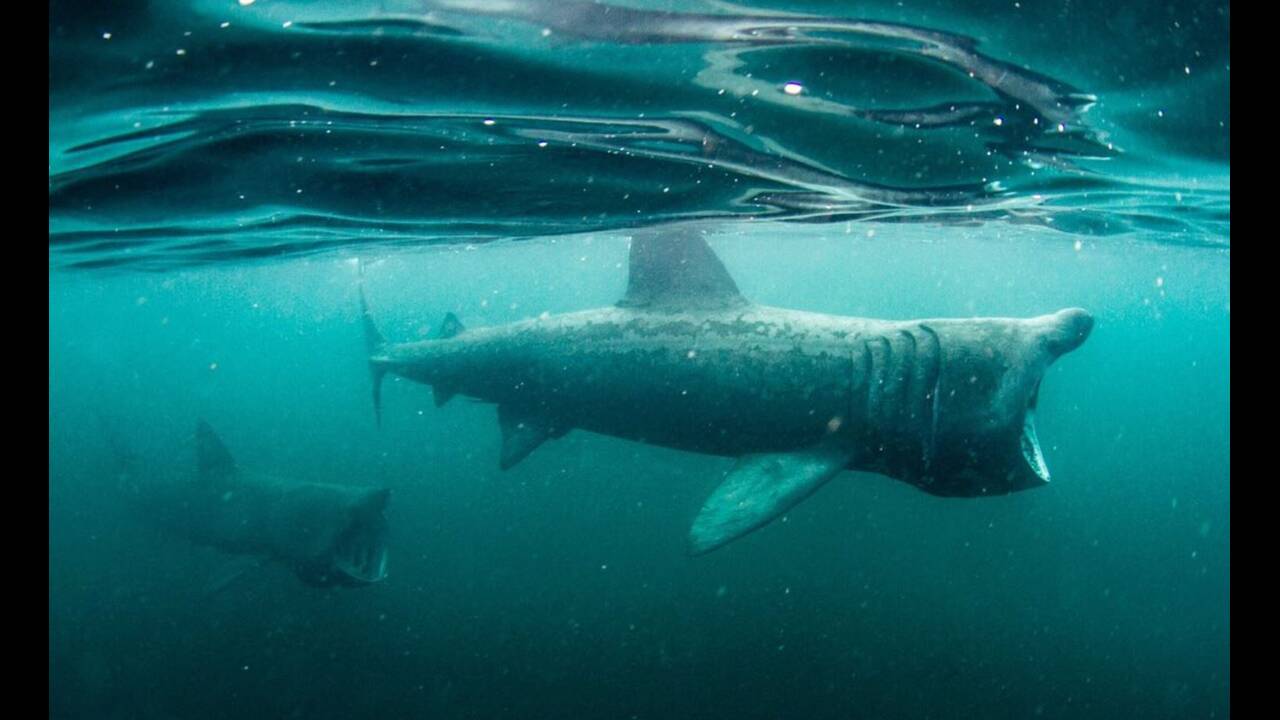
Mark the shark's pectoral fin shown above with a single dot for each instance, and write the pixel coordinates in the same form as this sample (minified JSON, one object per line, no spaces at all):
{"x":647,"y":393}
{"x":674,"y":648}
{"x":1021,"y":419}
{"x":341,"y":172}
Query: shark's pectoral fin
{"x":759,"y":489}
{"x":522,"y":433}
{"x":229,"y":572}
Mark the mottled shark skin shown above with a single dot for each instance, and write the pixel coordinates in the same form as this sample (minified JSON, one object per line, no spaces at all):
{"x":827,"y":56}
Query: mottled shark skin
{"x":685,"y":361}
{"x":327,"y":534}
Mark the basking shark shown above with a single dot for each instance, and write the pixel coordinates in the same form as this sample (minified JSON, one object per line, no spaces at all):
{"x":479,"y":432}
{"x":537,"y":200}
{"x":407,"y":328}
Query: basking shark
{"x":684,"y":361}
{"x":328,"y":534}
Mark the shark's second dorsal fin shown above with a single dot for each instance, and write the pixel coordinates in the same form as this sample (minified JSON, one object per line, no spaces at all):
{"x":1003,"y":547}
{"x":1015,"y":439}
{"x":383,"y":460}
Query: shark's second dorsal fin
{"x":451,"y":326}
{"x":213,"y":461}
{"x":676,"y":270}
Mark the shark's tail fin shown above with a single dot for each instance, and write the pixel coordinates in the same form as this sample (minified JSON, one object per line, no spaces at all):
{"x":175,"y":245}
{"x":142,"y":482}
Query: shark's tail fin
{"x":373,"y":344}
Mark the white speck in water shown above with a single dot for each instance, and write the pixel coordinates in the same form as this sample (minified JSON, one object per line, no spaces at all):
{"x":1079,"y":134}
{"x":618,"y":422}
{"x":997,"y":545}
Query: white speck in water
{"x":1159,"y":282}
{"x":1062,"y":128}
{"x":1159,"y":113}
{"x":246,"y":3}
{"x":225,"y":25}
{"x":150,"y":64}
{"x":1079,"y":245}
{"x":542,"y":144}
{"x":106,"y":36}
{"x":181,"y":51}
{"x":998,"y":121}
{"x":1187,"y":69}
{"x":793,"y":88}
{"x":546,"y":32}
{"x":488,"y":121}
{"x":692,"y":354}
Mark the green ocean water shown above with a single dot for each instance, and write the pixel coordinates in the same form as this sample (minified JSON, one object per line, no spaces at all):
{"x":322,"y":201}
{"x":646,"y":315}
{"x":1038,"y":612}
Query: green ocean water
{"x":563,"y":587}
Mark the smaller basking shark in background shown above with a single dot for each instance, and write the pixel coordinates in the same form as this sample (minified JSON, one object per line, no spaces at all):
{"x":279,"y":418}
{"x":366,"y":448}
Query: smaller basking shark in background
{"x":327,"y":534}
{"x":685,"y":361}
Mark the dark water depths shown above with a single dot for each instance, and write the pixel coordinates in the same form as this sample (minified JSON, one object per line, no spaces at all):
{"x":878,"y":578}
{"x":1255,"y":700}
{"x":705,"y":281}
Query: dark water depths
{"x":913,"y":160}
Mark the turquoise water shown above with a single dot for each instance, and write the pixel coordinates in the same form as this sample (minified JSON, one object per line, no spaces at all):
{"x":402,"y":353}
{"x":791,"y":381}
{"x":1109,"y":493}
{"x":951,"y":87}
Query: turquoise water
{"x":210,"y":212}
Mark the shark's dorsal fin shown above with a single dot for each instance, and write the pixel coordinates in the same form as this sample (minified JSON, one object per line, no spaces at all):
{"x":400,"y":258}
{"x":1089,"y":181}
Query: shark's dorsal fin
{"x":676,"y":270}
{"x":213,"y":461}
{"x":450,"y":326}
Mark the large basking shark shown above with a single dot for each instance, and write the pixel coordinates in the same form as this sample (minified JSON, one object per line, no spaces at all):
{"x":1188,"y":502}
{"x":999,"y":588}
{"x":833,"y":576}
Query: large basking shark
{"x":328,"y":534}
{"x":685,"y":361}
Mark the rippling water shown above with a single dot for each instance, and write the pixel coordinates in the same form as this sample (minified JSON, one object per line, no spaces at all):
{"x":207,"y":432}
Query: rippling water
{"x":190,"y":133}
{"x":890,"y":159}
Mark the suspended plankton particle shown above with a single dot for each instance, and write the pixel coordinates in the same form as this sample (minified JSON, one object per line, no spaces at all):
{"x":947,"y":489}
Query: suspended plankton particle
{"x":246,"y":3}
{"x":793,"y":88}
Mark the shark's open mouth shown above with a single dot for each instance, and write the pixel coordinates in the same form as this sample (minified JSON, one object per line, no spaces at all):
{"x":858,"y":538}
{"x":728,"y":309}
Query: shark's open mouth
{"x":362,"y":555}
{"x":1030,"y":443}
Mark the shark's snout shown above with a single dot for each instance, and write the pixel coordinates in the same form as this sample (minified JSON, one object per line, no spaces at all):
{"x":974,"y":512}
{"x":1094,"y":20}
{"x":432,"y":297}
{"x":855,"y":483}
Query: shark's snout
{"x":1067,"y":330}
{"x":1071,"y":327}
